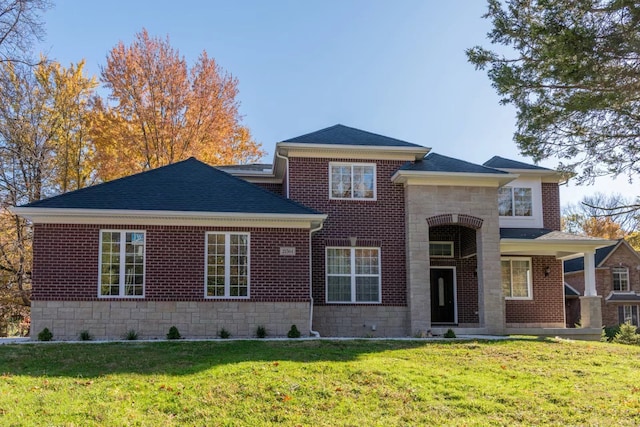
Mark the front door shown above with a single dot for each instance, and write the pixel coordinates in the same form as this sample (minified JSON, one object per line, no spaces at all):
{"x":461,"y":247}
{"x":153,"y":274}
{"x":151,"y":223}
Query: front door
{"x":443,"y":295}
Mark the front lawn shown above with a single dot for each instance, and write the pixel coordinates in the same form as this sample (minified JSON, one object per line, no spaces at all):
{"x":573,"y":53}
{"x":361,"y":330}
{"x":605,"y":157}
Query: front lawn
{"x":320,"y":383}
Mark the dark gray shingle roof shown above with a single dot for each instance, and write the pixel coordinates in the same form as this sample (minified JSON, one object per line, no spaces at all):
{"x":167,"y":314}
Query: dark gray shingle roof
{"x":438,"y":163}
{"x":577,"y":264}
{"x":631,"y":297}
{"x":523,"y":233}
{"x":502,"y":163}
{"x":345,"y":135}
{"x":189,"y":185}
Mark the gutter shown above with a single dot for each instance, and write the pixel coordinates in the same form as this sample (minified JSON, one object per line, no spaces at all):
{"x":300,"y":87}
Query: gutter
{"x":286,"y":163}
{"x":311,"y":331}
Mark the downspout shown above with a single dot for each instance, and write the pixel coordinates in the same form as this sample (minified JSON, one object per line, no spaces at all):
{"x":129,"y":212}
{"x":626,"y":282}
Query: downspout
{"x":311,"y":331}
{"x":286,"y":173}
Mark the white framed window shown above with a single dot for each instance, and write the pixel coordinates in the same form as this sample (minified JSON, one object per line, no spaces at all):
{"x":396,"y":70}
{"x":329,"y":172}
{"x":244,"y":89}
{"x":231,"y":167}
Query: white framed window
{"x":516,"y":277}
{"x":441,"y":249}
{"x":226,"y":265}
{"x":620,"y":278}
{"x":352,"y":181}
{"x":122,"y":263}
{"x":515,"y":201}
{"x":628,"y":314}
{"x":353,"y":275}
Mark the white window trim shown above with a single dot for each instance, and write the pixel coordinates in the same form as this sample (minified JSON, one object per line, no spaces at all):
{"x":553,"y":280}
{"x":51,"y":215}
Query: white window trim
{"x":529,"y":281}
{"x":227,"y":267}
{"x":123,"y":245}
{"x":353,"y":275}
{"x":620,"y":270}
{"x":375,"y":181}
{"x":441,"y":243}
{"x":513,"y":203}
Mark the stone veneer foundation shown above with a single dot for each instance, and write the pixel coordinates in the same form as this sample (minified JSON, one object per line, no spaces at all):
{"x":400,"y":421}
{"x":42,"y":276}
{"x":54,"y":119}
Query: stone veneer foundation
{"x":361,"y":320}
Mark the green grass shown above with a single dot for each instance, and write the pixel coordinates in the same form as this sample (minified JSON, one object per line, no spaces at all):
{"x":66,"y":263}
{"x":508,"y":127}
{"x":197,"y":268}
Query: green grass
{"x":320,"y":383}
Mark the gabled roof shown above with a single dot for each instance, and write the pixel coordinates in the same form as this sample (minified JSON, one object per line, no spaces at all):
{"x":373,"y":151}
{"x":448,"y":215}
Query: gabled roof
{"x":438,"y":163}
{"x":187,"y":186}
{"x":345,"y":135}
{"x":542,"y":241}
{"x":601,"y":256}
{"x":502,"y":163}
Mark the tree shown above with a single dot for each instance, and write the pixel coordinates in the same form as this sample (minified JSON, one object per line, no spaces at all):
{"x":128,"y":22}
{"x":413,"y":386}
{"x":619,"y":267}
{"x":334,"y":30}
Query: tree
{"x":571,"y":71}
{"x":20,"y":24}
{"x":163,"y":112}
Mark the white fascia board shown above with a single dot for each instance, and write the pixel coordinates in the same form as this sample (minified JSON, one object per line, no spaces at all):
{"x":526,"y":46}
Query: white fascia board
{"x":460,"y":179}
{"x":293,"y":149}
{"x":146,"y":217}
{"x":545,"y":175}
{"x":560,"y":248}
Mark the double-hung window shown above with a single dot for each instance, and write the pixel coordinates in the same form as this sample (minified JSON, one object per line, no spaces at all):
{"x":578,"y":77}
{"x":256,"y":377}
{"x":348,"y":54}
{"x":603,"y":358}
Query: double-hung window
{"x":628,"y":314}
{"x":516,"y":278}
{"x":355,"y":181}
{"x":227,"y":266}
{"x":122,"y":255}
{"x":620,"y":279}
{"x":353,"y":275}
{"x":515,"y":201}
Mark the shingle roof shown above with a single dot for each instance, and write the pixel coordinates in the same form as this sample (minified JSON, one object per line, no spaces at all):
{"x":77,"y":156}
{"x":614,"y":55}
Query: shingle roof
{"x":523,"y":233}
{"x":345,"y":135}
{"x":623,"y":297}
{"x":577,"y":264}
{"x":502,"y":163}
{"x":438,"y":163}
{"x":189,"y":185}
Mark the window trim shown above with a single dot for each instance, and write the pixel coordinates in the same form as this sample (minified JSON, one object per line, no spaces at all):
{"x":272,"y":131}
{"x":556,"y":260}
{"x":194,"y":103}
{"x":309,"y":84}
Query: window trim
{"x":513,"y":203}
{"x":353,"y":274}
{"x":227,"y":267}
{"x":122,"y":284}
{"x":450,"y":244}
{"x":529,"y":281}
{"x":351,"y":165}
{"x":631,"y":309}
{"x":624,"y":270}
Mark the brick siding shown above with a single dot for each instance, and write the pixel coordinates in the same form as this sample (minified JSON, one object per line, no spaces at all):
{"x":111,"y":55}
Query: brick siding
{"x":551,"y":206}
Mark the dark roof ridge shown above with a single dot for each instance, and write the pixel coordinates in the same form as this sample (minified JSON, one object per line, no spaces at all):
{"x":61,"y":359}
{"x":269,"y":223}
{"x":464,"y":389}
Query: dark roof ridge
{"x":513,"y":164}
{"x":339,"y":126}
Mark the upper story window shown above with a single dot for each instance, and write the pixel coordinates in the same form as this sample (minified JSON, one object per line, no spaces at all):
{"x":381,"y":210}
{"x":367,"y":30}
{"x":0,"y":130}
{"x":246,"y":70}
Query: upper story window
{"x":227,"y":269}
{"x":516,"y":278}
{"x":355,"y":181}
{"x":515,"y":201}
{"x":620,"y":278}
{"x":441,"y":249}
{"x":353,"y":275}
{"x":122,"y":255}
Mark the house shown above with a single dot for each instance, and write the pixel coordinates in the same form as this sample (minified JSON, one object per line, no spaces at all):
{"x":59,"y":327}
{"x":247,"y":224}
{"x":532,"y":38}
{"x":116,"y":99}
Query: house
{"x":347,"y":233}
{"x":617,"y":278}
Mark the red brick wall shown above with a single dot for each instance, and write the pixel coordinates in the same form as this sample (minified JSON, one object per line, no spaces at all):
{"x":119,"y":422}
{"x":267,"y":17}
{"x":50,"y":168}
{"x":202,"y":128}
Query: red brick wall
{"x":551,"y":206}
{"x":377,"y":223}
{"x":547,"y":305}
{"x":66,"y":262}
{"x":274,"y":188}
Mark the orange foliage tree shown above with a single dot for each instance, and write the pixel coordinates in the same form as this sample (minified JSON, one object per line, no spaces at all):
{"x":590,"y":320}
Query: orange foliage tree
{"x":160,"y":111}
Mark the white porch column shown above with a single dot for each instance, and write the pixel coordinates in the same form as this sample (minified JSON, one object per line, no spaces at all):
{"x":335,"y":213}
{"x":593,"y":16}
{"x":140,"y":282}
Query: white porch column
{"x":590,"y":274}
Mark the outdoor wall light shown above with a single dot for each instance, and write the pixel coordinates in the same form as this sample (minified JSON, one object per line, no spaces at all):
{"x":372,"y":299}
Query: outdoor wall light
{"x":547,"y":271}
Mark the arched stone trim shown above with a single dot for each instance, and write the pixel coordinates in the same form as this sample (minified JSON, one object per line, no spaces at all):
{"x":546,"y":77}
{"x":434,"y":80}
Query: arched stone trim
{"x":458,"y":219}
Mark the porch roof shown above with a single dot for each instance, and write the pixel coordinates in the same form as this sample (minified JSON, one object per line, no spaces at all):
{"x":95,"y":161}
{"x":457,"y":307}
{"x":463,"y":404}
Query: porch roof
{"x":542,"y":241}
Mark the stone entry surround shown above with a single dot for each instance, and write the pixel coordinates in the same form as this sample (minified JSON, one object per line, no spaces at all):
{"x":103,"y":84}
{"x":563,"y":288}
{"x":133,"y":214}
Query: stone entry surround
{"x":107,"y":320}
{"x":459,"y":205}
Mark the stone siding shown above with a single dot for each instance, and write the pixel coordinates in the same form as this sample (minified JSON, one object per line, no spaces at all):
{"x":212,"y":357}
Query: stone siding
{"x":361,"y":320}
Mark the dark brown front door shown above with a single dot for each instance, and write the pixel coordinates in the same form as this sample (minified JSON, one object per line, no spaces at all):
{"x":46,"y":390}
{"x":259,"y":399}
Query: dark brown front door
{"x":443,"y":301}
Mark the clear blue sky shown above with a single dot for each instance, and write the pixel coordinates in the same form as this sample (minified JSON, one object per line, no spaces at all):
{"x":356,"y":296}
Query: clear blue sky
{"x":392,"y":67}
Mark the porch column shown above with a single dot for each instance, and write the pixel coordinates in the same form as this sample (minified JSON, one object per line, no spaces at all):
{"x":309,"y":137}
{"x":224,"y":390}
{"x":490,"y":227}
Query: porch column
{"x":590,"y":303}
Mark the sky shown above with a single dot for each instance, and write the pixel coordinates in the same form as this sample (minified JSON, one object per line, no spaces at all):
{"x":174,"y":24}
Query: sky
{"x":394,"y":67}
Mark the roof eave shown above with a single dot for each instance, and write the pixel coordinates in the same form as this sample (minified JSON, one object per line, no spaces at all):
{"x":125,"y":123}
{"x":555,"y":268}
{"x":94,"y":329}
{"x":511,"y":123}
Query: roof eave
{"x":452,"y":178}
{"x":547,"y":175}
{"x":560,"y":248}
{"x":414,"y":153}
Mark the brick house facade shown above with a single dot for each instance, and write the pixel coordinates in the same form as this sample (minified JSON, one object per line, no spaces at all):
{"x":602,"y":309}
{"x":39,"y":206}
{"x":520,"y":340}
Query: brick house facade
{"x":347,"y":233}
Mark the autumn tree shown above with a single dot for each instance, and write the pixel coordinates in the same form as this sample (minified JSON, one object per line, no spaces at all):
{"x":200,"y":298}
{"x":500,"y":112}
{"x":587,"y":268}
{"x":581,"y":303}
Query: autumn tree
{"x":160,"y":111}
{"x":20,"y":25}
{"x":571,"y":70}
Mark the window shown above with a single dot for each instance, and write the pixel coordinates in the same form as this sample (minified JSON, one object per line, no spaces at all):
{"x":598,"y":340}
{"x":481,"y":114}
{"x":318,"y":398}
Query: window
{"x":514,"y":201}
{"x":516,"y":278}
{"x":122,"y":256}
{"x":620,"y":278}
{"x":353,"y":275}
{"x":227,"y":274}
{"x":352,"y":181}
{"x":441,"y":249}
{"x":628,"y":314}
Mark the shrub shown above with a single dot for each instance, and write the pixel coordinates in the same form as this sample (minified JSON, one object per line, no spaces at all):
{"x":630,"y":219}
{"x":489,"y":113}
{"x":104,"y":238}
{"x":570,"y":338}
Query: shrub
{"x":261,"y":332}
{"x":45,"y":335}
{"x":224,"y":334}
{"x":449,"y":333}
{"x":628,"y":334}
{"x":293,"y":332}
{"x":85,"y":336}
{"x":611,"y":331}
{"x":173,"y":334}
{"x":131,"y":335}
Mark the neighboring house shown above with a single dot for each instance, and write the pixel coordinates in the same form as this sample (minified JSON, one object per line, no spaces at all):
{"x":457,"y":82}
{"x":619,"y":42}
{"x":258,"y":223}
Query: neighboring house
{"x":617,"y":280}
{"x":348,"y":233}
